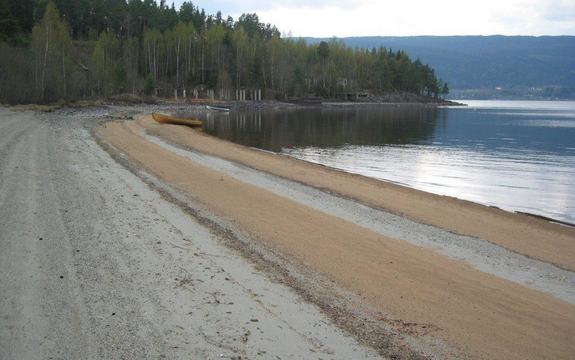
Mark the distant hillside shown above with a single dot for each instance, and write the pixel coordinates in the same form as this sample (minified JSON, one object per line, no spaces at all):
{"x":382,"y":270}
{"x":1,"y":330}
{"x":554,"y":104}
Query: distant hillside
{"x":487,"y":62}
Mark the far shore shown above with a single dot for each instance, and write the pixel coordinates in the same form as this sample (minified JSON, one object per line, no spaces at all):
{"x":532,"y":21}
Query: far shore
{"x":136,"y":100}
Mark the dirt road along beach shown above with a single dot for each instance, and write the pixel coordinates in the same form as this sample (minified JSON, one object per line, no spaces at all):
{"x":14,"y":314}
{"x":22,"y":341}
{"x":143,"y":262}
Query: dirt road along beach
{"x":96,"y":264}
{"x":138,"y":240}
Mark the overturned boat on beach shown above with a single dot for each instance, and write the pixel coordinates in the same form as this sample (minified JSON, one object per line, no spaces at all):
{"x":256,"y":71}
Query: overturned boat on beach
{"x":169,"y":119}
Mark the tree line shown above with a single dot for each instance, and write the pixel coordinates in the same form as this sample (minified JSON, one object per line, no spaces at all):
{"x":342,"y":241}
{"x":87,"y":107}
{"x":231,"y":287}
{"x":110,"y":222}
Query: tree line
{"x":70,"y":50}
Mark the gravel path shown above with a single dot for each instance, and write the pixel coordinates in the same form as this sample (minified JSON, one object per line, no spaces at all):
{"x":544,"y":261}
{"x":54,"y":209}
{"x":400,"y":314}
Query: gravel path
{"x":95,"y":265}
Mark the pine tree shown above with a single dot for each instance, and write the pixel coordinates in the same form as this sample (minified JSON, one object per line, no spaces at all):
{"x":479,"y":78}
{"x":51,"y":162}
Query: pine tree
{"x":131,"y":41}
{"x":445,"y":90}
{"x":8,"y":23}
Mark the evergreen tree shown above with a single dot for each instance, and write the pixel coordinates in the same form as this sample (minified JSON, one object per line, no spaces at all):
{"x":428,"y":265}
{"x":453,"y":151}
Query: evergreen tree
{"x":8,"y":23}
{"x":445,"y":90}
{"x":143,"y":46}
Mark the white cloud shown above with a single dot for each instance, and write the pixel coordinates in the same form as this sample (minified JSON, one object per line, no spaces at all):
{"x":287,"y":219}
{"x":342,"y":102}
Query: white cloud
{"x":409,"y":17}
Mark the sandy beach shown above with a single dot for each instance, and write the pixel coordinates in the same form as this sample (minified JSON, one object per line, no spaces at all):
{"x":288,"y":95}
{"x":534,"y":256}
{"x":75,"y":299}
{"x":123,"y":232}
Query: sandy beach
{"x":436,"y":275}
{"x":158,"y":241}
{"x":352,"y":180}
{"x":97,"y":264}
{"x":521,"y":233}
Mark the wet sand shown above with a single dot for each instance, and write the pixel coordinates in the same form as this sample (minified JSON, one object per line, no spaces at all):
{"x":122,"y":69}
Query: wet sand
{"x":536,"y":238}
{"x":479,"y":314}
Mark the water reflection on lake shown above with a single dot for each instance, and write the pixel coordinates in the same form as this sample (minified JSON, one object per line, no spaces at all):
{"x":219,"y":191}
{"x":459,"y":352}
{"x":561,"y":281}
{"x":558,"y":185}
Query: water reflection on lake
{"x":516,"y":155}
{"x":328,"y":127}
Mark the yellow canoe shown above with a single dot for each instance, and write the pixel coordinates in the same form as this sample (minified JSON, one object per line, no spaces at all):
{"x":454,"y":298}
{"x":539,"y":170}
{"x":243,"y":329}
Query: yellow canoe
{"x":168,"y":119}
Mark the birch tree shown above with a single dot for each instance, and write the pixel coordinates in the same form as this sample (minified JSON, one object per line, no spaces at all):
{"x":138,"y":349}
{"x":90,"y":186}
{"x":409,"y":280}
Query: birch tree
{"x":51,"y":44}
{"x":106,"y":63}
{"x":241,"y":43}
{"x":184,"y":35}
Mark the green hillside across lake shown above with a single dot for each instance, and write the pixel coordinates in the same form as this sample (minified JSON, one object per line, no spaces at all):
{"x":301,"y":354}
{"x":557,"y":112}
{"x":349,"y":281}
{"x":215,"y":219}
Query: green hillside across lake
{"x":520,"y":65}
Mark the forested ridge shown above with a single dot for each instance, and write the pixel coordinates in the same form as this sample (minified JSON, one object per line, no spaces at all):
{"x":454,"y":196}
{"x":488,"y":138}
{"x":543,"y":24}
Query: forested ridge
{"x":524,"y":66}
{"x":70,"y":50}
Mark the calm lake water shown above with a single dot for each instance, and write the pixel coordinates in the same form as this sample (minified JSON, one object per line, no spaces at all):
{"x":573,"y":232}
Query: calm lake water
{"x":517,"y":155}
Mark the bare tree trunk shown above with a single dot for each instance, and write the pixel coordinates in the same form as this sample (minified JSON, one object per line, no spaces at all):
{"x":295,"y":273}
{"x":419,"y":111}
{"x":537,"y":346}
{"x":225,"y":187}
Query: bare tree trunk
{"x":155,"y":64}
{"x":264,"y":74}
{"x":203,"y":55}
{"x":37,"y":64}
{"x":272,"y":71}
{"x":238,"y":67}
{"x":43,"y":83}
{"x":193,"y":64}
{"x":150,"y":59}
{"x":189,"y":60}
{"x":167,"y":67}
{"x":64,"y":75}
{"x":178,"y":64}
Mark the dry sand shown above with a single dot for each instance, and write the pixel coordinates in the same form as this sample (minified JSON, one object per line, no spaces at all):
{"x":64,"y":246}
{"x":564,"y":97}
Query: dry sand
{"x":96,"y":264}
{"x":481,"y":315}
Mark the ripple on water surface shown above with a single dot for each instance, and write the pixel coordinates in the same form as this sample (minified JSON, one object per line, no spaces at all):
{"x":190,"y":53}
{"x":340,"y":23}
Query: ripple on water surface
{"x":517,"y":155}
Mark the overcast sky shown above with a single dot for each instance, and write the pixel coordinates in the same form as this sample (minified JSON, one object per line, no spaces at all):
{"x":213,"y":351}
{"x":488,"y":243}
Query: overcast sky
{"x":405,"y":17}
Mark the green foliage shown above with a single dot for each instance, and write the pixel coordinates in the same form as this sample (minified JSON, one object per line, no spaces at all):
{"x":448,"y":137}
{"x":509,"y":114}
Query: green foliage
{"x":515,"y":63}
{"x":15,"y":85}
{"x":119,"y":78}
{"x":149,"y":86}
{"x":323,"y":50}
{"x":51,"y":46}
{"x":144,"y":46}
{"x":252,"y":26}
{"x":8,"y":23}
{"x":106,"y":59}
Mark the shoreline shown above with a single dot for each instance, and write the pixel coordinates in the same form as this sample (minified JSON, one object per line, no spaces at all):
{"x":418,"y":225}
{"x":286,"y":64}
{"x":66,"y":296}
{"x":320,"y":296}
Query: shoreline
{"x":455,"y":300}
{"x":132,"y":111}
{"x":429,"y":208}
{"x":405,"y":185}
{"x":159,"y":101}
